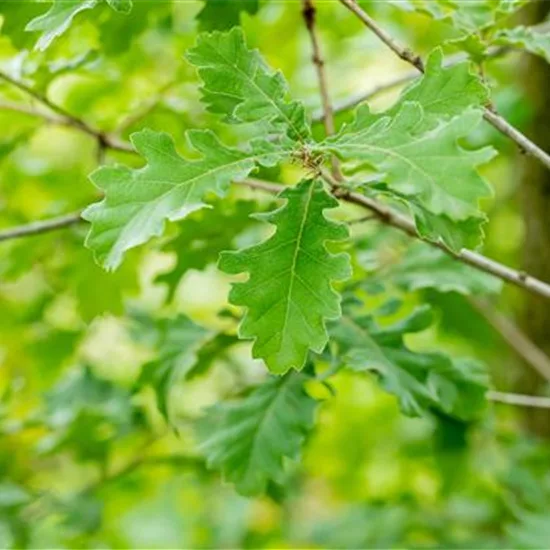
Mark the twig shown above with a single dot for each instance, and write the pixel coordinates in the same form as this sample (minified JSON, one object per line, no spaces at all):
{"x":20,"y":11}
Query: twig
{"x":404,"y":53}
{"x":524,"y":143}
{"x":515,"y":338}
{"x":480,"y":262}
{"x":66,"y":118}
{"x":519,"y":399}
{"x":36,"y":228}
{"x":309,"y":12}
{"x":382,"y":212}
{"x":397,"y":81}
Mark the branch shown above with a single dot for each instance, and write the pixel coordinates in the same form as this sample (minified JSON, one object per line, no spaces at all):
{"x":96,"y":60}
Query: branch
{"x":515,"y":338}
{"x":381,"y":212}
{"x":519,"y":399}
{"x":309,"y":12}
{"x":395,"y":219}
{"x":524,"y":143}
{"x":65,"y":118}
{"x":36,"y":228}
{"x":397,"y":81}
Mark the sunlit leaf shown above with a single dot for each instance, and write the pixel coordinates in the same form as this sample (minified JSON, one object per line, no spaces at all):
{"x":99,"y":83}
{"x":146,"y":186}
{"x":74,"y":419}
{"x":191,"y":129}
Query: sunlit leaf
{"x":137,"y":203}
{"x":239,"y":85}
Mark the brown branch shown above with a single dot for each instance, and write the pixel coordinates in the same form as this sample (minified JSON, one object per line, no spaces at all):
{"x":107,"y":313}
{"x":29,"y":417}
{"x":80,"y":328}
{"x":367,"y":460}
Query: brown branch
{"x":395,"y":219}
{"x":309,"y":13}
{"x":514,"y":337}
{"x":65,"y":118}
{"x":36,"y":228}
{"x":397,"y":81}
{"x":503,"y":126}
{"x":381,"y":212}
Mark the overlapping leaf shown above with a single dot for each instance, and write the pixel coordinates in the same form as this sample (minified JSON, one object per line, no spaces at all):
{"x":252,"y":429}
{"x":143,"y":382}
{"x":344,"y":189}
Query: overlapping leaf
{"x":429,"y":166}
{"x":288,"y":294}
{"x":467,"y":16}
{"x":138,"y":202}
{"x":420,"y":381}
{"x":415,"y":148}
{"x":249,"y":439}
{"x":239,"y":85}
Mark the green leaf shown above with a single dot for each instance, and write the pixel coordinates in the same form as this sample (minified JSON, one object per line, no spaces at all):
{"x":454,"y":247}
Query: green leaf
{"x":248,"y":439}
{"x":288,"y":294}
{"x":415,"y":147}
{"x":420,"y":381}
{"x":526,"y":38}
{"x":429,"y":166}
{"x":239,"y":85}
{"x":122,"y":6}
{"x":425,"y":267}
{"x":176,"y":342}
{"x":57,"y":20}
{"x":224,"y":14}
{"x":138,"y":202}
{"x":443,"y":92}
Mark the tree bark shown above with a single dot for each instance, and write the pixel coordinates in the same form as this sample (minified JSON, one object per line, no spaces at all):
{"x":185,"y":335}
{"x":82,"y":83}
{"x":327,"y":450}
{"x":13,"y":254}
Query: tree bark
{"x":535,"y":203}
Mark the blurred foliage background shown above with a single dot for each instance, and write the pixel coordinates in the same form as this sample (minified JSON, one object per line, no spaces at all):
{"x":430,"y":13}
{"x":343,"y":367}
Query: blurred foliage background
{"x":86,"y":461}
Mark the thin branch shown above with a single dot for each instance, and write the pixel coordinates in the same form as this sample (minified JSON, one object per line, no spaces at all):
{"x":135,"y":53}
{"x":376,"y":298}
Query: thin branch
{"x":65,"y":118}
{"x":399,"y":80}
{"x":525,"y":144}
{"x":310,"y":13}
{"x":514,"y":337}
{"x":381,"y":212}
{"x":395,"y":219}
{"x":404,"y":53}
{"x":36,"y":228}
{"x":519,"y":399}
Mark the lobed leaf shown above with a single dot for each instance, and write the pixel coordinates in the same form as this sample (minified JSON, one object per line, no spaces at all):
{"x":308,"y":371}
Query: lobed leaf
{"x":249,"y":439}
{"x":420,"y":381}
{"x":428,"y":165}
{"x":138,"y":202}
{"x":288,"y":294}
{"x":239,"y":85}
